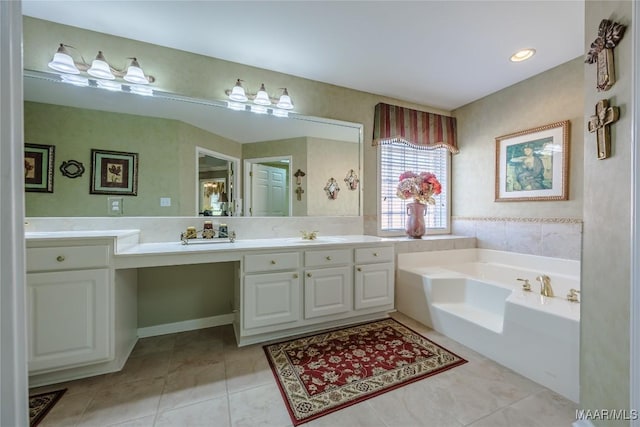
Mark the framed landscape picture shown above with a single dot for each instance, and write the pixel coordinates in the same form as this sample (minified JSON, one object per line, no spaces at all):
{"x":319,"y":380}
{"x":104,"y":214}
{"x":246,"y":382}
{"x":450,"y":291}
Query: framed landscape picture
{"x":114,"y":172}
{"x":38,"y":167}
{"x":533,"y":164}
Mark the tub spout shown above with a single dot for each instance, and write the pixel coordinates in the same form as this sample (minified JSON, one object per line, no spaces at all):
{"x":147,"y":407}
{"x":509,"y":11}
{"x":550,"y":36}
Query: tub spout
{"x":545,"y":285}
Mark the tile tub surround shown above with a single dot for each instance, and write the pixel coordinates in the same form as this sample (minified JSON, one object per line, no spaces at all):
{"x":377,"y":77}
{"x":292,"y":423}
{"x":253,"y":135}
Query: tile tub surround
{"x":192,"y":378}
{"x":551,"y":237}
{"x":473,"y":297}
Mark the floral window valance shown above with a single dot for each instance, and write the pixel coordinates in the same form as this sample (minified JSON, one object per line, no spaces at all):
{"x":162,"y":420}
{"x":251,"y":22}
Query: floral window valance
{"x":416,"y":128}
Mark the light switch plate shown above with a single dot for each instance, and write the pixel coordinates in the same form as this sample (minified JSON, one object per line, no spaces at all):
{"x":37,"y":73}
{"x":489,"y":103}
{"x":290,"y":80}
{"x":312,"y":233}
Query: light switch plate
{"x":114,"y":206}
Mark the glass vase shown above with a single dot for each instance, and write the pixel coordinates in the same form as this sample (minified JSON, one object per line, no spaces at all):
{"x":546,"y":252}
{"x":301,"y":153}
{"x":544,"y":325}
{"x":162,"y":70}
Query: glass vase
{"x":415,"y":226}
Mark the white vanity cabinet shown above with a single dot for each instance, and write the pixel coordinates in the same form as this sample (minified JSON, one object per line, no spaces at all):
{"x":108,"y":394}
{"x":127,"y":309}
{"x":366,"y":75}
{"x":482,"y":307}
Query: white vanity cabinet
{"x":374,"y":278}
{"x":70,"y":306}
{"x":81,"y":312}
{"x":286,"y":293}
{"x":271,"y":289}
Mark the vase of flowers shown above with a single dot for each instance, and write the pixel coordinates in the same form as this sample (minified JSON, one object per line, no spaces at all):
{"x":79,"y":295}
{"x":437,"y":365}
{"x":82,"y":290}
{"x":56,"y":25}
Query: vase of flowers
{"x":419,"y":187}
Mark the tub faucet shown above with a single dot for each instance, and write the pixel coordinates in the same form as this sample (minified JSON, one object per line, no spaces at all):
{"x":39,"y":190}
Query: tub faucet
{"x":545,"y":285}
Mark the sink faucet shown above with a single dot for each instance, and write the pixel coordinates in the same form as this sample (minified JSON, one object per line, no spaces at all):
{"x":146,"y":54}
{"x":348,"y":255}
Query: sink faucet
{"x":545,"y":285}
{"x":309,"y":235}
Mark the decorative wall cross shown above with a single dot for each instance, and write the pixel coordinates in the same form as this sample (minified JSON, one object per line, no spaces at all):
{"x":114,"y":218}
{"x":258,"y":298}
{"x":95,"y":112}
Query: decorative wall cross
{"x":601,"y":52}
{"x":299,"y":192}
{"x":599,"y":123}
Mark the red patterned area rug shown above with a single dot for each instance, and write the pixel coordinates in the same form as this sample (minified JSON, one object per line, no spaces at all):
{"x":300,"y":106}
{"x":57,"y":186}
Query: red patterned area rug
{"x":41,"y":404}
{"x":323,"y":373}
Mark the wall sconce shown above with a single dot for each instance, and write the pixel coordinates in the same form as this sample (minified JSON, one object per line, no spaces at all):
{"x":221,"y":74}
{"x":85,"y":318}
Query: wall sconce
{"x":262,"y":102}
{"x":99,"y":68}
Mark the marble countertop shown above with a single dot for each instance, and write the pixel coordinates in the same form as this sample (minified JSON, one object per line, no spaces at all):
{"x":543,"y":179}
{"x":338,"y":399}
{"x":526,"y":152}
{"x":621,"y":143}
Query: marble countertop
{"x":32,"y":235}
{"x":213,"y":245}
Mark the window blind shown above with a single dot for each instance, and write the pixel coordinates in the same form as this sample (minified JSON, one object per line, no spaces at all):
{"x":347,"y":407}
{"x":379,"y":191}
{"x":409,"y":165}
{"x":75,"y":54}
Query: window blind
{"x":396,"y":158}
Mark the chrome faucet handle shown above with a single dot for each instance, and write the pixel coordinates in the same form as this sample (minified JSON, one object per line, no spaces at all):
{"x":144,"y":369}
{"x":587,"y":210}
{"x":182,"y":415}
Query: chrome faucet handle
{"x":573,"y":295}
{"x":526,"y":286}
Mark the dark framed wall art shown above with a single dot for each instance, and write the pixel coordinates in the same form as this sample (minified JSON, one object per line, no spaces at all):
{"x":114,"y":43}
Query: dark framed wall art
{"x":114,"y":172}
{"x":38,"y":167}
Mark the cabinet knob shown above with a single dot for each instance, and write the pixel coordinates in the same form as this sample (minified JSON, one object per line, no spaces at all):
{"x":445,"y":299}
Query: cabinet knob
{"x":308,"y":274}
{"x":295,"y":275}
{"x":375,"y":254}
{"x":359,"y":269}
{"x":328,"y":258}
{"x":273,"y":261}
{"x":60,"y":258}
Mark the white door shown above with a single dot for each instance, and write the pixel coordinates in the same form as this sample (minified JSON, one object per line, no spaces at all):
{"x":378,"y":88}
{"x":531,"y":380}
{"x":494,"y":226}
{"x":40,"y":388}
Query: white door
{"x":268,"y":191}
{"x":374,"y":285}
{"x":327,"y":291}
{"x":68,"y":318}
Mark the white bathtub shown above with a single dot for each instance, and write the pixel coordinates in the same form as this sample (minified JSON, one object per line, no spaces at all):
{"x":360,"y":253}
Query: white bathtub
{"x":472,"y":296}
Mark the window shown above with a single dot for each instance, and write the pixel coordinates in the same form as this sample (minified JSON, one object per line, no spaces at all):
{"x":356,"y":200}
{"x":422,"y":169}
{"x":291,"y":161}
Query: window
{"x":396,"y":158}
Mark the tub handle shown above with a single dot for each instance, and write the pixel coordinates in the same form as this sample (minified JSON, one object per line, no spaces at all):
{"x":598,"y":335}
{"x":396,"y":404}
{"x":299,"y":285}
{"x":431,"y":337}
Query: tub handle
{"x":573,"y":295}
{"x":526,"y":286}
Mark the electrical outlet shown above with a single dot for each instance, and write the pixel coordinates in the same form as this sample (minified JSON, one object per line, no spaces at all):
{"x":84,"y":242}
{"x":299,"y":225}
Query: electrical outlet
{"x":114,"y":206}
{"x":165,"y":201}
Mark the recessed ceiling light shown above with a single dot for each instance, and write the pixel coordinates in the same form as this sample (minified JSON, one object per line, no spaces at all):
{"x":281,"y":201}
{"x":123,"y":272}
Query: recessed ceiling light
{"x":522,"y":55}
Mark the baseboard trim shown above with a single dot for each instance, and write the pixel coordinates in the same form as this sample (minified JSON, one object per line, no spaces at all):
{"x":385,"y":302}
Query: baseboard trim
{"x":186,"y":325}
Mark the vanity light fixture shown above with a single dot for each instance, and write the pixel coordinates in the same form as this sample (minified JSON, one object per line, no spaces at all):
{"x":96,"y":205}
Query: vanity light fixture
{"x":522,"y":55}
{"x":262,"y":103}
{"x":63,"y":62}
{"x":285,"y":101}
{"x":237,"y":93}
{"x":99,"y":67}
{"x":262,"y":97}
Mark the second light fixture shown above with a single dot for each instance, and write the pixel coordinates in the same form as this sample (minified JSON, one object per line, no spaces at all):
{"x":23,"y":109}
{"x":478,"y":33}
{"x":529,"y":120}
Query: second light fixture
{"x":261,"y":98}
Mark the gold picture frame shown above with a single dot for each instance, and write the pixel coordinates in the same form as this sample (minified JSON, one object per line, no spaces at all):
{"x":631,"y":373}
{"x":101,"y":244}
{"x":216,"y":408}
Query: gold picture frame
{"x":533,"y":164}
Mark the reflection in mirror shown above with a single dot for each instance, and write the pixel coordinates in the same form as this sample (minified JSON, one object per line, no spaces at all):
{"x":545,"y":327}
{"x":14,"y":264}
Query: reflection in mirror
{"x":216,"y":183}
{"x":268,"y":186}
{"x":165,"y":130}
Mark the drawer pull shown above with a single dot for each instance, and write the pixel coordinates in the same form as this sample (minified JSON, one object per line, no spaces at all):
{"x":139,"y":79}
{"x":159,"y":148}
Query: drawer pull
{"x":273,"y":261}
{"x":328,"y":258}
{"x":295,"y":275}
{"x":359,"y":269}
{"x":308,"y":274}
{"x":60,"y":258}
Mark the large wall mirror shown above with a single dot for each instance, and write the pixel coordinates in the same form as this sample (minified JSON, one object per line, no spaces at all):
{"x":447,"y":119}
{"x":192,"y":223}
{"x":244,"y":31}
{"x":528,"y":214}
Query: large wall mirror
{"x":191,"y":153}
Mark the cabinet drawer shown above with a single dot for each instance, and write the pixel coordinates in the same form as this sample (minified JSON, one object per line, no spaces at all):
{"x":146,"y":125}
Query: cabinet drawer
{"x":328,"y":257}
{"x":271,"y":262}
{"x":369,"y":255}
{"x":67,"y":258}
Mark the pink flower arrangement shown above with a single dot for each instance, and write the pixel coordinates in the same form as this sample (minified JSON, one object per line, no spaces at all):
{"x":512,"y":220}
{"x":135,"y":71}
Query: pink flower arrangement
{"x":419,"y":187}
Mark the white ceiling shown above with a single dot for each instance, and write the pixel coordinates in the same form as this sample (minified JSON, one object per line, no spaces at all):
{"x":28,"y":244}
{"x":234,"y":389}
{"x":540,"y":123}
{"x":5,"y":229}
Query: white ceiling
{"x":439,"y":53}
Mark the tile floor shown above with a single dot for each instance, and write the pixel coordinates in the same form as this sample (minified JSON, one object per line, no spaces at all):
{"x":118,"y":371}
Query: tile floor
{"x":201,"y":378}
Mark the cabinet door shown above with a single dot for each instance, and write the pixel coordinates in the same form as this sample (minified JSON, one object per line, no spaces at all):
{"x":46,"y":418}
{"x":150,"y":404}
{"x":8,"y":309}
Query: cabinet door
{"x":374,"y":285}
{"x":271,"y":299}
{"x":327,"y":291}
{"x":69,"y":316}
